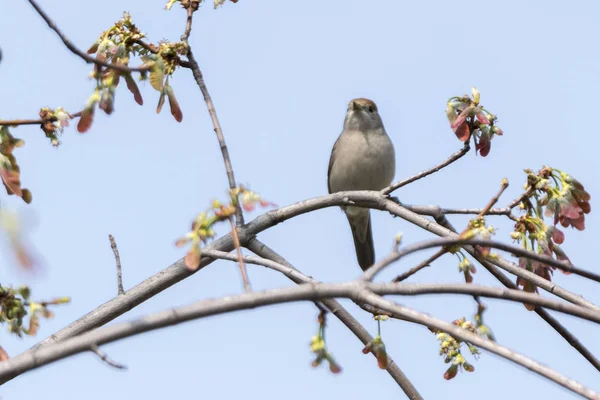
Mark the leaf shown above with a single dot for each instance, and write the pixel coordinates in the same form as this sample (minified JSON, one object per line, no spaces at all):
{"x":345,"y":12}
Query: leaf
{"x":175,"y":109}
{"x":181,"y":242}
{"x":451,"y":372}
{"x":192,"y":259}
{"x":12,"y":181}
{"x":161,"y":101}
{"x":157,"y":74}
{"x":34,"y":324}
{"x":133,"y":88}
{"x":3,"y":354}
{"x":107,"y":102}
{"x":462,"y":132}
{"x":93,"y":48}
{"x":86,"y":119}
{"x":27,"y":196}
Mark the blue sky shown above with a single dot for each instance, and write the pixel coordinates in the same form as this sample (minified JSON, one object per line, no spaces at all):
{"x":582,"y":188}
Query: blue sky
{"x":281,"y":74}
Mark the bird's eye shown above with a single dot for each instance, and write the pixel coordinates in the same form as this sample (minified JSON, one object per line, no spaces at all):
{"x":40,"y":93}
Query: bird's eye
{"x":371,"y":109}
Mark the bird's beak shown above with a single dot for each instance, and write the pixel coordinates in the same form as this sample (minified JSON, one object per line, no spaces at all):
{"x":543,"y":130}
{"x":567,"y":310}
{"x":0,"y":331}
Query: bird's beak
{"x":354,"y":106}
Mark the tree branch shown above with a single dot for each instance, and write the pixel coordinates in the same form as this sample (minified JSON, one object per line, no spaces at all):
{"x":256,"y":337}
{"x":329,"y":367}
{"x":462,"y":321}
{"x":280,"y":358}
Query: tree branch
{"x":16,"y":122}
{"x":193,"y":64}
{"x":115,"y":250}
{"x":429,"y":171}
{"x":178,"y":271}
{"x":420,"y":266}
{"x":356,"y":291}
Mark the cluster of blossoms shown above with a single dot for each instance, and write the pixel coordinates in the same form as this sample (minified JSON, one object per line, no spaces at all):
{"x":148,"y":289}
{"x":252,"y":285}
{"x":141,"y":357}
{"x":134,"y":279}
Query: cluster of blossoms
{"x":550,"y":193}
{"x":376,"y":346}
{"x":318,"y":347}
{"x":54,"y":123}
{"x":117,"y":46}
{"x":15,"y":305}
{"x":469,"y":119}
{"x":450,"y":347}
{"x":202,"y":227}
{"x":195,"y":3}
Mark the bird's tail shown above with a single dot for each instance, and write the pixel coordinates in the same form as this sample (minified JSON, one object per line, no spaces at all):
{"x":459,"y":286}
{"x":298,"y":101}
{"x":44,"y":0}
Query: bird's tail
{"x":363,"y":238}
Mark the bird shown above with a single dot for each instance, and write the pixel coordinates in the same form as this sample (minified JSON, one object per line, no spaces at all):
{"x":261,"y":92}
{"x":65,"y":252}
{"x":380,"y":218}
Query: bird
{"x":363,"y":158}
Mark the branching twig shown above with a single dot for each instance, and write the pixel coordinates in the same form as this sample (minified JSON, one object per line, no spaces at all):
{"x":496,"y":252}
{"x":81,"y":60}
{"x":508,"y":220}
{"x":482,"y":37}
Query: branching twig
{"x":218,"y":131}
{"x":104,"y":357}
{"x":81,"y":54}
{"x":16,"y":122}
{"x":188,"y":22}
{"x":430,"y":171}
{"x":420,"y":266}
{"x":115,"y":250}
{"x":494,"y":199}
{"x":519,"y":199}
{"x":238,"y":247}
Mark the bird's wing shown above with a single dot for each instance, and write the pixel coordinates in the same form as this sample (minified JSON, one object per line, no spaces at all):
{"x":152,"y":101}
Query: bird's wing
{"x":331,"y":161}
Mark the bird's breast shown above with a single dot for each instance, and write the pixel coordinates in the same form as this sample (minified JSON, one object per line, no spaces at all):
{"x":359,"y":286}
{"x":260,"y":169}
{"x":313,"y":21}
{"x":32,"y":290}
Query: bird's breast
{"x":363,"y":162}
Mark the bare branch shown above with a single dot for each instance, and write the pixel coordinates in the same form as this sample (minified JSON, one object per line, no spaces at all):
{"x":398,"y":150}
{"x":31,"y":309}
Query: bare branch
{"x":190,"y":7}
{"x":494,"y":199}
{"x":429,"y":171}
{"x":353,"y":290}
{"x":81,"y":54}
{"x":238,"y":248}
{"x":16,"y":122}
{"x":419,"y":267}
{"x":115,"y":250}
{"x":104,"y":357}
{"x":193,"y":64}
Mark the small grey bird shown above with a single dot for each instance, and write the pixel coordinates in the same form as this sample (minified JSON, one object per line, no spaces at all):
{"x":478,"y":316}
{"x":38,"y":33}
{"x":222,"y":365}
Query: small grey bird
{"x":363,"y":158}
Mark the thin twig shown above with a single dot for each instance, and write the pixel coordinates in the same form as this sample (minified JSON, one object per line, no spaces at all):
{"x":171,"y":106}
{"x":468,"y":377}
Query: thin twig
{"x":16,"y":122}
{"x":115,"y":250}
{"x":494,"y":199}
{"x":218,"y":131}
{"x":81,"y":54}
{"x":104,"y":357}
{"x":188,"y":22}
{"x":414,"y":270}
{"x":429,"y":171}
{"x":238,"y":247}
